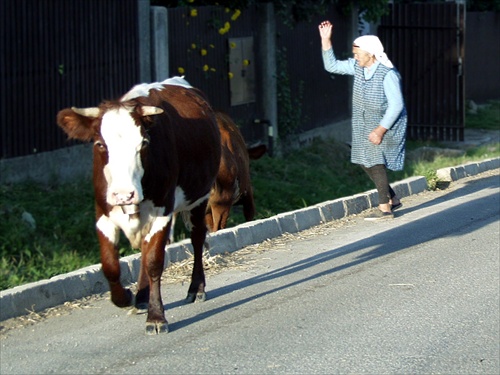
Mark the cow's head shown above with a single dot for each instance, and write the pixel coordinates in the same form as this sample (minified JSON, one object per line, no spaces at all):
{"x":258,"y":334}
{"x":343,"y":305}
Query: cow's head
{"x":119,"y":140}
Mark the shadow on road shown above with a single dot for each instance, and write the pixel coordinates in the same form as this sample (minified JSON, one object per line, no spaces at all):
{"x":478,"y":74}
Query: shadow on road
{"x":459,"y":220}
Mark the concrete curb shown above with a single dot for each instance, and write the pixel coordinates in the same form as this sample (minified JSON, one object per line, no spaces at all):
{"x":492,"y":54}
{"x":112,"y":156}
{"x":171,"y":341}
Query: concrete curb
{"x":87,"y":281}
{"x":469,"y":169}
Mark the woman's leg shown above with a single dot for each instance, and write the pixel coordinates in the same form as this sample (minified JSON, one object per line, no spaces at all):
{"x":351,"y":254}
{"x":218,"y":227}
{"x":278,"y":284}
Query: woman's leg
{"x":386,"y":196}
{"x":394,"y":201}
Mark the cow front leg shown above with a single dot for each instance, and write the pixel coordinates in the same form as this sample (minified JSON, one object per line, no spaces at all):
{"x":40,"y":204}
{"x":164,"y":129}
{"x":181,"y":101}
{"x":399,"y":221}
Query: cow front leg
{"x":153,"y":257}
{"x":196,"y":292}
{"x":120,"y":296}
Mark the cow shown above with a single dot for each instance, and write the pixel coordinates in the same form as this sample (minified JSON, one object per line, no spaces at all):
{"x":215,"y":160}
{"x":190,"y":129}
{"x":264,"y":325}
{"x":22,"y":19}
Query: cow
{"x":232,"y":184}
{"x":156,"y":152}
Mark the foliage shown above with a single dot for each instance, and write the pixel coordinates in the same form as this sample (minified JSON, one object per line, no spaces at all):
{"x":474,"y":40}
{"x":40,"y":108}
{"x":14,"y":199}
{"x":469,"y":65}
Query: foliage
{"x":373,"y":9}
{"x":487,"y":117}
{"x":289,"y":105}
{"x":292,"y":11}
{"x":472,"y":5}
{"x":483,"y":5}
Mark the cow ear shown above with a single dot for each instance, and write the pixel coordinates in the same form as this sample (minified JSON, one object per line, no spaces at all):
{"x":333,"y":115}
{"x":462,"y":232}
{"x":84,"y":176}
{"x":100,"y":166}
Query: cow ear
{"x":74,"y":125}
{"x":148,"y":110}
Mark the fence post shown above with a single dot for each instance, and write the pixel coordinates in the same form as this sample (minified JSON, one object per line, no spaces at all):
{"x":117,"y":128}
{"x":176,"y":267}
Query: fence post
{"x":159,"y":44}
{"x":144,"y":30}
{"x":267,"y":101}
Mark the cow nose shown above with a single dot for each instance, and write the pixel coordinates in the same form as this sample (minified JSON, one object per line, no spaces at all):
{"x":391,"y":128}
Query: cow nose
{"x":123,"y":198}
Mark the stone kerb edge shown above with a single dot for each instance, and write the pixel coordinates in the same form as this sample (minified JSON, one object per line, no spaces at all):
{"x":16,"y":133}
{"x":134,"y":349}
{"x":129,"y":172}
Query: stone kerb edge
{"x":469,"y":169}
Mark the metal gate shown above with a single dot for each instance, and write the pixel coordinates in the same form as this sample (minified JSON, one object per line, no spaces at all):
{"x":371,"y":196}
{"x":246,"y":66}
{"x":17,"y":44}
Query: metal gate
{"x":426,"y":44}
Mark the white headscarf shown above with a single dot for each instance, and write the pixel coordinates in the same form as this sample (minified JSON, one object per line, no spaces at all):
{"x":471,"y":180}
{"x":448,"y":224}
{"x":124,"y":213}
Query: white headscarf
{"x":373,"y":45}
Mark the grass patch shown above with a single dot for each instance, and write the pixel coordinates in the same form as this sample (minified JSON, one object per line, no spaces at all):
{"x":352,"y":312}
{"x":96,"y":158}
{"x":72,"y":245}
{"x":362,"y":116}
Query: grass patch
{"x":487,"y":117}
{"x":46,"y":231}
{"x":61,"y":237}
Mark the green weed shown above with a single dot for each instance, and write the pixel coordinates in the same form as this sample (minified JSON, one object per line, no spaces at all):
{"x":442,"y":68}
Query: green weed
{"x":487,"y":117}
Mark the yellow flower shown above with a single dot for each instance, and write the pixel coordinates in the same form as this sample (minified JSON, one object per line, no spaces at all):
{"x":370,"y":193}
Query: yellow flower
{"x":181,"y":70}
{"x":232,"y":45}
{"x":193,"y":12}
{"x":205,"y":67}
{"x":230,"y":75}
{"x":203,"y":51}
{"x":211,"y":46}
{"x":236,"y":14}
{"x":190,"y":1}
{"x":246,"y":62}
{"x":225,"y":29}
{"x":193,"y":46}
{"x":227,"y":10}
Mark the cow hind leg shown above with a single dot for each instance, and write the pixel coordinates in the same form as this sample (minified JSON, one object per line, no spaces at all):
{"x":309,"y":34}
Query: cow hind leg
{"x":196,"y":292}
{"x":223,"y":217}
{"x":219,"y":215}
{"x":248,"y":206}
{"x":142,"y":294}
{"x":209,"y":219}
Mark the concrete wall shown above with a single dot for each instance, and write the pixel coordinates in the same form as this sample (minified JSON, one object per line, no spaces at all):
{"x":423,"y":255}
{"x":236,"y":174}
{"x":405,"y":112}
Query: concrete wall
{"x":61,"y":165}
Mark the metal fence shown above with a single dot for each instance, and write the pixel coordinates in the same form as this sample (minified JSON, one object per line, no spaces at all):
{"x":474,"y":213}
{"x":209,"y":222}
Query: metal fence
{"x":57,"y":54}
{"x":426,"y":43}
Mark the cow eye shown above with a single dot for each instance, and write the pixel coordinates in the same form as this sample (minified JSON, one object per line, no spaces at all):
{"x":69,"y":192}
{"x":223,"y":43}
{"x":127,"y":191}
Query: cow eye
{"x":100,"y":145}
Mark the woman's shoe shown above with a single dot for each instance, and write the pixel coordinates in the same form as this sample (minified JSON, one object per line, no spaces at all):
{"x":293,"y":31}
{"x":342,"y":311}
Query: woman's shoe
{"x":396,"y":206}
{"x":379,"y":215}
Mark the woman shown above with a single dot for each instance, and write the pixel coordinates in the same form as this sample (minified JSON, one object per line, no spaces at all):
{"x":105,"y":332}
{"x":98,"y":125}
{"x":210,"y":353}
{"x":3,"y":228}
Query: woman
{"x":378,"y":113}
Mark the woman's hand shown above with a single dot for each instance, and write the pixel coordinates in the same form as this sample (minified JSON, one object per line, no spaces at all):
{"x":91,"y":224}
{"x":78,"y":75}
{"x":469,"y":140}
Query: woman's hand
{"x":325,"y":32}
{"x":377,"y":135}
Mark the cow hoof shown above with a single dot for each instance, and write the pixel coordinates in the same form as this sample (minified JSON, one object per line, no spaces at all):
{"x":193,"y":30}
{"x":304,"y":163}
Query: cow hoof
{"x":196,"y":297}
{"x":155,"y":328}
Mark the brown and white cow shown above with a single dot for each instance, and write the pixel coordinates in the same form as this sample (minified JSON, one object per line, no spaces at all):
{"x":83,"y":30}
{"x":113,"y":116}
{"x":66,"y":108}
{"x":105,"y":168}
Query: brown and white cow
{"x":232,"y":185}
{"x":156,"y":152}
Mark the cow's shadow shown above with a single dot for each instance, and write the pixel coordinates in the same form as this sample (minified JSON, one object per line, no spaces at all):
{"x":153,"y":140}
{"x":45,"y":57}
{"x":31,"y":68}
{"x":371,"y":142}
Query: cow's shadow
{"x":382,"y":244}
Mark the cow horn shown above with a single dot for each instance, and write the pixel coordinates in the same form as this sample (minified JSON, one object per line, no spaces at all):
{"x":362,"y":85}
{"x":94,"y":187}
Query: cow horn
{"x":91,"y":112}
{"x":148,"y":110}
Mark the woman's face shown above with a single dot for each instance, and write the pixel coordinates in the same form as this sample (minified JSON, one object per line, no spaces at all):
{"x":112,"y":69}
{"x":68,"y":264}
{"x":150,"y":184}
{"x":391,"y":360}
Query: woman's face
{"x":364,"y":59}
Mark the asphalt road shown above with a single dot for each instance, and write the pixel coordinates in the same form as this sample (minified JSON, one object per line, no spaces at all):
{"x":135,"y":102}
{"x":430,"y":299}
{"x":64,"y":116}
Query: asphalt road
{"x":415,"y":295}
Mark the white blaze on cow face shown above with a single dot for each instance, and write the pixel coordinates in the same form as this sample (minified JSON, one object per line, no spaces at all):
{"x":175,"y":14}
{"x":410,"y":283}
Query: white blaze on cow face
{"x":124,"y":170}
